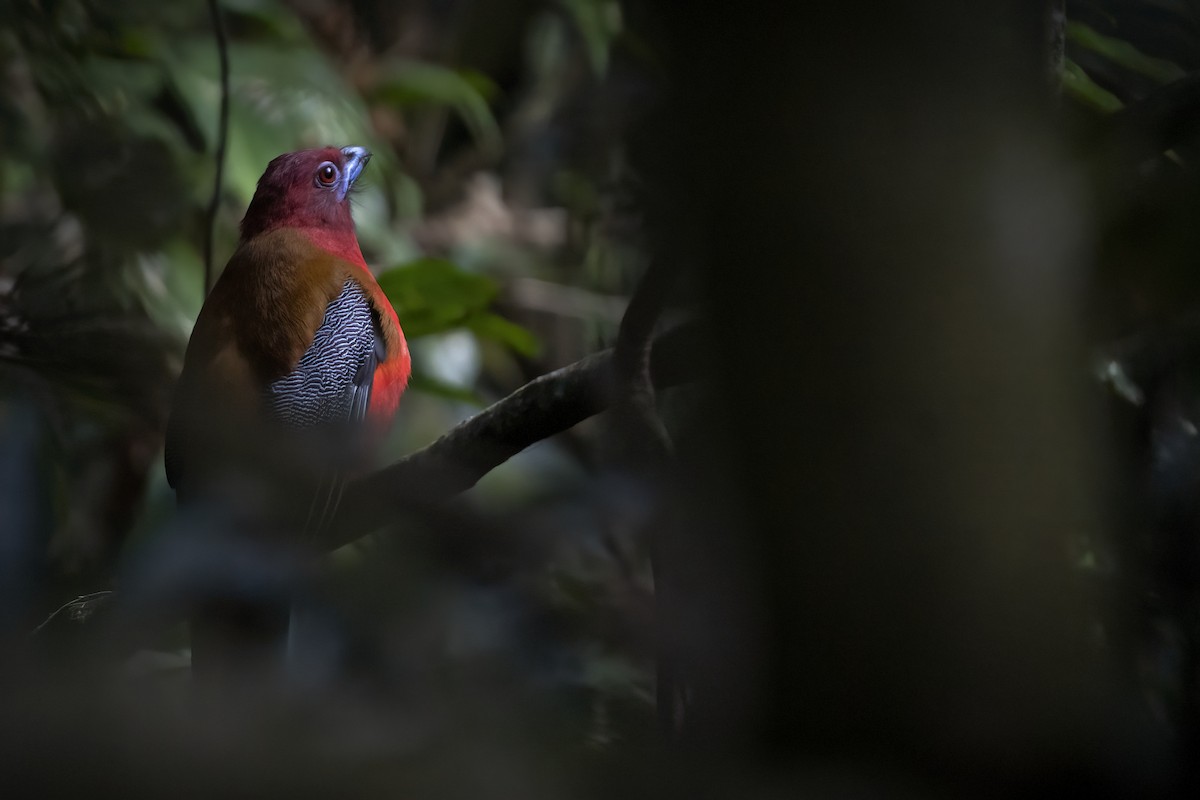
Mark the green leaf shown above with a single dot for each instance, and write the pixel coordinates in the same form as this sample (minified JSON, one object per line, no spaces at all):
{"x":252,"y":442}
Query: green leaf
{"x":415,"y":83}
{"x":432,"y":295}
{"x":1123,"y":53}
{"x":506,"y":332}
{"x":1083,"y":89}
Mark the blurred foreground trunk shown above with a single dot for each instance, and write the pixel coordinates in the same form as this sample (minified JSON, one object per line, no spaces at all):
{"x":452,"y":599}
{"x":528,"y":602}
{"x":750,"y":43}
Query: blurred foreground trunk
{"x":877,"y":569}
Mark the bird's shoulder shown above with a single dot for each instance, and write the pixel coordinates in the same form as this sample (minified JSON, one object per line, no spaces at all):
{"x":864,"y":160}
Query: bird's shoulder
{"x":395,"y":356}
{"x":272,"y":298}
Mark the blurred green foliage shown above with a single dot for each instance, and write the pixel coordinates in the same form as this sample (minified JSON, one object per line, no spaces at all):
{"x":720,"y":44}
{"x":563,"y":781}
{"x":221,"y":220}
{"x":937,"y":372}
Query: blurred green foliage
{"x":108,"y":127}
{"x":1122,"y":53}
{"x":432,"y":295}
{"x":415,"y":84}
{"x":1117,"y":52}
{"x":1083,"y":89}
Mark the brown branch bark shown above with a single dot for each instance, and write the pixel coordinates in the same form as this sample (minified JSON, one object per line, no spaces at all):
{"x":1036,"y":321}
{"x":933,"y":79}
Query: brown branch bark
{"x":543,"y":407}
{"x":649,"y":454}
{"x":634,"y":386}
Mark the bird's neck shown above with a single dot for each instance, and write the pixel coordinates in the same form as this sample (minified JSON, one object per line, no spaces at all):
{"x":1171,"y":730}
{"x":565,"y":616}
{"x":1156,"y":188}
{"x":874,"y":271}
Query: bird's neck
{"x":340,"y":243}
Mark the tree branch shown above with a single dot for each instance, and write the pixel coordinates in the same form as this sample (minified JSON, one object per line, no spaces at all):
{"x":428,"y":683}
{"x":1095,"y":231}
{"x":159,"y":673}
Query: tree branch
{"x":634,"y":387}
{"x":543,"y":407}
{"x":649,"y":451}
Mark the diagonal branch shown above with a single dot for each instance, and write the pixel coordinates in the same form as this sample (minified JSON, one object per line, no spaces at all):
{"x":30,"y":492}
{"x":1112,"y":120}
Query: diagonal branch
{"x":547,"y":405}
{"x":543,"y":407}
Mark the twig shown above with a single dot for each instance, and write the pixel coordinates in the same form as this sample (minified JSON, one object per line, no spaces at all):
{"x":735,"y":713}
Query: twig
{"x":77,"y":611}
{"x":218,"y":22}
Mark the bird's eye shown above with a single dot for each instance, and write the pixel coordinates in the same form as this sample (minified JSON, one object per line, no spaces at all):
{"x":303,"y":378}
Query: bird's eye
{"x":327,"y":174}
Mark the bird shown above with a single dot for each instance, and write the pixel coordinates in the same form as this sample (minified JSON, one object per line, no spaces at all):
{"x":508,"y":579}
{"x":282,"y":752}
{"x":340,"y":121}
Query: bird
{"x":296,"y":363}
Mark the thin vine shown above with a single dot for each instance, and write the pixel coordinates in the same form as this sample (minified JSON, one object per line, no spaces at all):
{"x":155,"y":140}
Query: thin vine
{"x":218,"y":22}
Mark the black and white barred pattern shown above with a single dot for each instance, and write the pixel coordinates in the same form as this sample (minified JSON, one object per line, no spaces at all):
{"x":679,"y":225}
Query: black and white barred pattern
{"x":332,"y":382}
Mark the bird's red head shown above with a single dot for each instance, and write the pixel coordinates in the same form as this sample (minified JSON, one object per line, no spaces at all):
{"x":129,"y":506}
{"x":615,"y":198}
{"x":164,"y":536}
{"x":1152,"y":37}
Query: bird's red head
{"x":308,"y":189}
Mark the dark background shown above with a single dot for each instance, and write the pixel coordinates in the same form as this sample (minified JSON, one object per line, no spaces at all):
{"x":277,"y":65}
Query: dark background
{"x":926,"y":523}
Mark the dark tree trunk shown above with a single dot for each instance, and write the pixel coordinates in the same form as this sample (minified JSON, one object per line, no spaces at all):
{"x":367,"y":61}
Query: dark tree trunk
{"x":899,"y":456}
